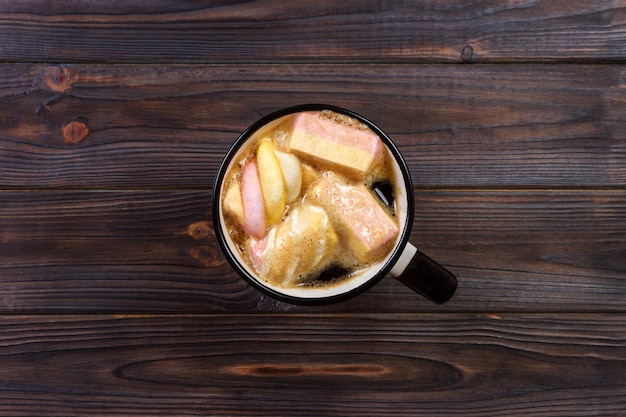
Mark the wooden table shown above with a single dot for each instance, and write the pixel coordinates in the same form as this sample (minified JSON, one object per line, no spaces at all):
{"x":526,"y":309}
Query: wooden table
{"x":115,"y":299}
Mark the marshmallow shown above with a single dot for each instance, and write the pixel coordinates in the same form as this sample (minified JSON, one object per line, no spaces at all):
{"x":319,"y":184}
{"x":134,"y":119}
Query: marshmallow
{"x":334,"y":144}
{"x":367,"y":226}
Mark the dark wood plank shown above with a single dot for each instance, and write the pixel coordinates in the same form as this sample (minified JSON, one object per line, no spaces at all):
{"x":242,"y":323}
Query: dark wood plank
{"x":142,"y":251}
{"x":169,"y":126}
{"x":366,"y":31}
{"x":395,"y":365}
{"x":114,"y":250}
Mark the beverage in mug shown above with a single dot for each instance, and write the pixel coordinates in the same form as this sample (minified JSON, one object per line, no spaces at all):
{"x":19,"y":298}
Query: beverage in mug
{"x":313,"y":205}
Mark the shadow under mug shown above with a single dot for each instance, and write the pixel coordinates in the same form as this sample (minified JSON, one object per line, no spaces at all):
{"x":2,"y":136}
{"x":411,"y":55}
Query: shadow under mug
{"x":404,"y":262}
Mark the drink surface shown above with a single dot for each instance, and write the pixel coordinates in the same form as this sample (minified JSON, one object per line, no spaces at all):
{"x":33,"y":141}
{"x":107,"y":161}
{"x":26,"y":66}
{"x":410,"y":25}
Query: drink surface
{"x":310,"y":200}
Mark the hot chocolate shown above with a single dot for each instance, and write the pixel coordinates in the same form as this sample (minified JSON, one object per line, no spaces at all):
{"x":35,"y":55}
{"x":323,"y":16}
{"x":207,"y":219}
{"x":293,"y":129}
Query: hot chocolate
{"x":310,"y":200}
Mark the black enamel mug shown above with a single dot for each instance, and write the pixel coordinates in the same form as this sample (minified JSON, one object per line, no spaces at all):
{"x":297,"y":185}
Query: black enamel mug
{"x":404,"y":261}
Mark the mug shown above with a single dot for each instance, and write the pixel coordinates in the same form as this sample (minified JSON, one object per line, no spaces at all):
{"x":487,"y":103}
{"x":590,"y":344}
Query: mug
{"x":403,"y":261}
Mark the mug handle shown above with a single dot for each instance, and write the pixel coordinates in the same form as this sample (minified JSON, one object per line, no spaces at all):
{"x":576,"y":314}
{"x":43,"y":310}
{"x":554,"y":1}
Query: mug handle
{"x":424,"y":276}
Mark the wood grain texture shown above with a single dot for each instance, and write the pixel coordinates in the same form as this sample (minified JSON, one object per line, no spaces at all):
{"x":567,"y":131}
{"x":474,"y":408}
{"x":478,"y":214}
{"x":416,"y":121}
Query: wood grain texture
{"x":392,"y":365}
{"x":156,"y":251}
{"x":268,"y":31}
{"x":115,"y":299}
{"x":170,"y":126}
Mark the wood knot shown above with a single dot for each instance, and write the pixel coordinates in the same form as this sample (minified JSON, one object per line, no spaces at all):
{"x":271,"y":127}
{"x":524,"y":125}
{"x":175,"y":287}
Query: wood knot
{"x":59,"y":79}
{"x":291,"y":370}
{"x":75,"y":131}
{"x":199,"y":230}
{"x":467,"y":54}
{"x":206,"y":255}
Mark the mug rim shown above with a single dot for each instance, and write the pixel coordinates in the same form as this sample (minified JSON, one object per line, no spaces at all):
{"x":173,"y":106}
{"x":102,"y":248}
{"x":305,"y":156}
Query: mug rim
{"x":243,"y":271}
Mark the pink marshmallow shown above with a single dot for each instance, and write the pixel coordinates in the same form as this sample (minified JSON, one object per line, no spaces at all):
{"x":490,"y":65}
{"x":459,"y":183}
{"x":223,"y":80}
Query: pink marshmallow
{"x":252,"y":199}
{"x":334,"y":144}
{"x":368,"y":226}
